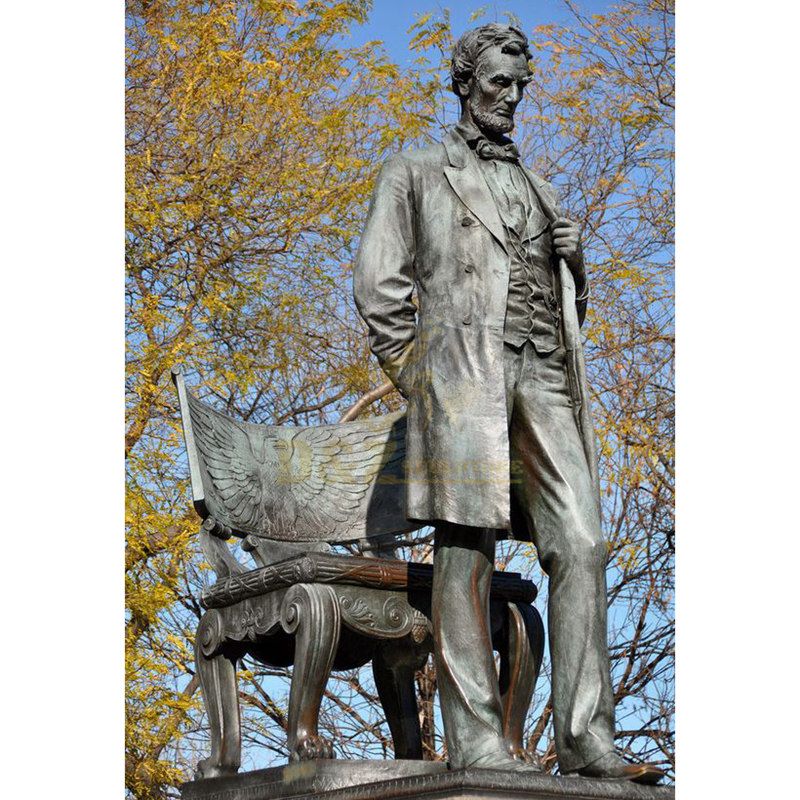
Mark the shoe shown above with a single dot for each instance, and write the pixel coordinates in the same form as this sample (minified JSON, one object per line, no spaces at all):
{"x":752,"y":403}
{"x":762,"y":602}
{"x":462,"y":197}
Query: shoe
{"x":505,"y":761}
{"x":612,"y":767}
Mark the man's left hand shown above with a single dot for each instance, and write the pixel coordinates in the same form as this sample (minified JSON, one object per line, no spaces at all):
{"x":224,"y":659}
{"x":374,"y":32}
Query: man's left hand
{"x":567,"y":243}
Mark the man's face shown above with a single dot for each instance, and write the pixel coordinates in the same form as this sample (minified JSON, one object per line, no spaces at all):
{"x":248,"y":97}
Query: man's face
{"x":496,"y":89}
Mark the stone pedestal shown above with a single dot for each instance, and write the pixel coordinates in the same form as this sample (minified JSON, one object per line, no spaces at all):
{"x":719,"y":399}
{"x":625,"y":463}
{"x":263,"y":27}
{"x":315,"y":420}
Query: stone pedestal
{"x":393,"y":780}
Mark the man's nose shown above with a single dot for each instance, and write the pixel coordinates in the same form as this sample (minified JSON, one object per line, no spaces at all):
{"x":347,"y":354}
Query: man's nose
{"x":513,"y":95}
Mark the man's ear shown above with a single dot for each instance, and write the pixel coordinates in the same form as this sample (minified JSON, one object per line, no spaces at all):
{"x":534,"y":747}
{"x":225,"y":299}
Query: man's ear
{"x":464,"y":87}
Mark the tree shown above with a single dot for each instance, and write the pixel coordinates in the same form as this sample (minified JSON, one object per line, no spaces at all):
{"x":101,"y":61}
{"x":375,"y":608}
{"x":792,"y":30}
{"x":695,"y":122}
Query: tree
{"x":253,"y":137}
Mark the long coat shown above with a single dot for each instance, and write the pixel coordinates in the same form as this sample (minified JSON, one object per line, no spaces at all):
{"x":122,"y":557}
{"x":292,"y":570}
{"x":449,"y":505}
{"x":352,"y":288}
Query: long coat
{"x":433,"y":226}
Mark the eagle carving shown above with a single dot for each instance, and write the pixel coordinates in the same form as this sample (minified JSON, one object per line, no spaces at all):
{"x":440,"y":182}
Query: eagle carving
{"x":334,"y":483}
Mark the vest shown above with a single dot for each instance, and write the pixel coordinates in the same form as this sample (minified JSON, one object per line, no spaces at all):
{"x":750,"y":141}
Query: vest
{"x":531,"y":308}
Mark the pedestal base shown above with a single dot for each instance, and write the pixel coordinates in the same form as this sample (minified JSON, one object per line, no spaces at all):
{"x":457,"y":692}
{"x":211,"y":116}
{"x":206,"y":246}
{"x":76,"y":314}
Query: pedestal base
{"x":393,"y":780}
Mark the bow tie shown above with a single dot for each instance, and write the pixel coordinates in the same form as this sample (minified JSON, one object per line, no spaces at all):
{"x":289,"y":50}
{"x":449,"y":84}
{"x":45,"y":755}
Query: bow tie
{"x":504,"y":152}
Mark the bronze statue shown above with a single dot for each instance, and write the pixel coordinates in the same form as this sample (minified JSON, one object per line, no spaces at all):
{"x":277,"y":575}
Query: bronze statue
{"x":499,"y":439}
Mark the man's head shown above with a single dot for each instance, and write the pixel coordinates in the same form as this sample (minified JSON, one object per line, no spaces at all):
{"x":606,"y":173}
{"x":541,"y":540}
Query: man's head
{"x":489,"y":71}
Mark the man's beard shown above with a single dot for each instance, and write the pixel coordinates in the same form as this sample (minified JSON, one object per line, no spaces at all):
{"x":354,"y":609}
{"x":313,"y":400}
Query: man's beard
{"x":492,"y":123}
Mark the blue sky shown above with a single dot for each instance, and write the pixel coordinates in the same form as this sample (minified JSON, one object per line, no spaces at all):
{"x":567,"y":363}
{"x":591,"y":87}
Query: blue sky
{"x":391,"y":19}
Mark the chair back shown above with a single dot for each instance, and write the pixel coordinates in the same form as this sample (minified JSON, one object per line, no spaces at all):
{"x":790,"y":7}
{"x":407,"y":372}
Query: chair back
{"x":278,"y":486}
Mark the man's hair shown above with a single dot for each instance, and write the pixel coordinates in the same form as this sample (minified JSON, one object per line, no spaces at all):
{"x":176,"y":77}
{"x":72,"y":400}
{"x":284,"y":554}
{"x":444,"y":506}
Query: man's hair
{"x":469,"y":48}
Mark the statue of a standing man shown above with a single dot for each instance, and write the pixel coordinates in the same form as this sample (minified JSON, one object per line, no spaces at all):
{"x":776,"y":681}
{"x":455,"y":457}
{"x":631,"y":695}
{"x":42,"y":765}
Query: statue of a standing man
{"x":495,"y":442}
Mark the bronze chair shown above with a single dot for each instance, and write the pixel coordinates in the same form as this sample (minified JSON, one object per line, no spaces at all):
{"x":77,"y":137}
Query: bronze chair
{"x":292,"y":494}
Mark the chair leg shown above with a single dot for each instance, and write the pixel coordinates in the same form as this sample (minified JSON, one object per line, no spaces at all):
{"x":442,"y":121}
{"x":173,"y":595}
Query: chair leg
{"x":217,"y":675}
{"x":393,"y":667}
{"x":311,"y":612}
{"x":520,"y":661}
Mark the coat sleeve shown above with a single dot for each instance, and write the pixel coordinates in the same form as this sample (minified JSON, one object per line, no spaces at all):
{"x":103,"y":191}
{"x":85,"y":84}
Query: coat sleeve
{"x":383,"y":275}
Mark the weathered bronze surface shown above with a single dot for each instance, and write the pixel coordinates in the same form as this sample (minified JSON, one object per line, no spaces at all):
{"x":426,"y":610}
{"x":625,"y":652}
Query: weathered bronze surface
{"x":499,"y":438}
{"x":409,"y":780}
{"x":287,"y":483}
{"x":353,"y":570}
{"x":320,"y":611}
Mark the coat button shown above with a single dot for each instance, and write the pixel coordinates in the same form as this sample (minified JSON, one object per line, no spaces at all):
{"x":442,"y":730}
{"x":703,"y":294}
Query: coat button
{"x":467,"y":221}
{"x":467,"y":319}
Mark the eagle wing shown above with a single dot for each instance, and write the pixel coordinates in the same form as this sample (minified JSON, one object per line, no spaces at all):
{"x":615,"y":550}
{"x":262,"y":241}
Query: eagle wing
{"x":227,"y":453}
{"x":334,"y":470}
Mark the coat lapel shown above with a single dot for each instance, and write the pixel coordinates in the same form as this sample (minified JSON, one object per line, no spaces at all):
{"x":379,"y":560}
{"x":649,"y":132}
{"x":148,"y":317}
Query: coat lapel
{"x":540,"y":191}
{"x":467,"y":181}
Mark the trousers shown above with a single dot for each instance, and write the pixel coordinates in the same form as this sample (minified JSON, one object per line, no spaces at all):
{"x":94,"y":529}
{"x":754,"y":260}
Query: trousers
{"x":552,"y":496}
